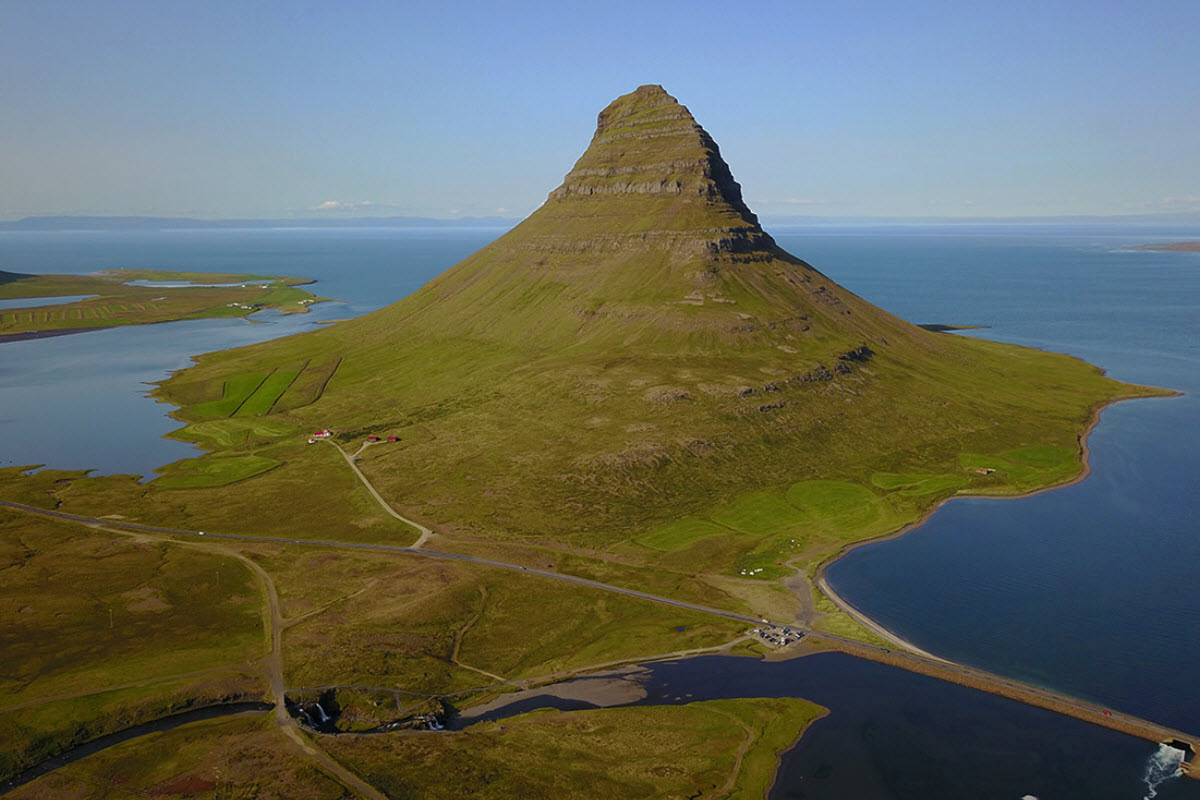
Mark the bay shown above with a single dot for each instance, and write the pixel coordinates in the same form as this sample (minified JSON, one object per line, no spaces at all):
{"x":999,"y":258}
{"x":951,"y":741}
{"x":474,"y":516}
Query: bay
{"x":1089,"y":589}
{"x":81,"y":401}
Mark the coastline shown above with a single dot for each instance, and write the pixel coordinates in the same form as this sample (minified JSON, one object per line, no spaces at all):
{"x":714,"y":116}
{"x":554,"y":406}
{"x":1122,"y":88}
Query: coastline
{"x":24,"y":336}
{"x":1011,"y":689}
{"x":792,"y":746}
{"x":870,"y":624}
{"x":822,"y":585}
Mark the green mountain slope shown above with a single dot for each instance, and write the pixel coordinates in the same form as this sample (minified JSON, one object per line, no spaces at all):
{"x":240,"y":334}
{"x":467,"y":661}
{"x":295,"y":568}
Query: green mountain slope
{"x":639,"y":351}
{"x":646,"y":245}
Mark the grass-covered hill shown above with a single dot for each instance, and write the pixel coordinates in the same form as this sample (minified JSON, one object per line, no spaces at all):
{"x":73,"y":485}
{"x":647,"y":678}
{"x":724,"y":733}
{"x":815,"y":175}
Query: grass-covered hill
{"x":639,"y":368}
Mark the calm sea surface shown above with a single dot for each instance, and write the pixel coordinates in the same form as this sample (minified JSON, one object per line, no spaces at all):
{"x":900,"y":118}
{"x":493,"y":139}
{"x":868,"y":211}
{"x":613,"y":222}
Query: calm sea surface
{"x":80,"y":402}
{"x":1090,"y":590}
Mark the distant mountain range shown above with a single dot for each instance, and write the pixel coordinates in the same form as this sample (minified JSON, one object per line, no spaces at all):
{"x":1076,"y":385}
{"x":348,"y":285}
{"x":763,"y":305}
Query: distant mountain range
{"x":107,"y":223}
{"x":98,"y":223}
{"x":1172,"y":218}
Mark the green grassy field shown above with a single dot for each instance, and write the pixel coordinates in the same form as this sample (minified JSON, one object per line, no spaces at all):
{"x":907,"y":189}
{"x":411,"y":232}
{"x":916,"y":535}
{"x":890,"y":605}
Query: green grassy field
{"x":717,"y":748}
{"x":681,"y":533}
{"x":99,"y":631}
{"x":231,"y":758}
{"x":917,"y":484}
{"x":357,"y":618}
{"x":660,"y":752}
{"x":229,"y":434}
{"x":259,"y":393}
{"x":310,"y":492}
{"x":514,"y":447}
{"x":431,"y":627}
{"x":114,"y":302}
{"x":234,"y":393}
{"x":266,"y":395}
{"x":206,"y":473}
{"x":1024,"y":468}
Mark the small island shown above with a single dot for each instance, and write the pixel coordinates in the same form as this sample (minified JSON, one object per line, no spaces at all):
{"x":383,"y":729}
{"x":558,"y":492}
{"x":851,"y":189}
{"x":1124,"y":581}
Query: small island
{"x":1171,"y":247}
{"x":35,"y":306}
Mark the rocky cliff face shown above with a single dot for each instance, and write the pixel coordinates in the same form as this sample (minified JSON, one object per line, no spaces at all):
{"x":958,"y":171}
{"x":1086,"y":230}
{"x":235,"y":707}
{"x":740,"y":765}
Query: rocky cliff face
{"x":647,"y":143}
{"x":652,"y":172}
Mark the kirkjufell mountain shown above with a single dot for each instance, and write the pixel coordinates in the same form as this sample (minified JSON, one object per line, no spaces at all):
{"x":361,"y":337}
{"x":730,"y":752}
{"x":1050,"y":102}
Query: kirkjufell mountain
{"x":647,"y":240}
{"x":638,"y":369}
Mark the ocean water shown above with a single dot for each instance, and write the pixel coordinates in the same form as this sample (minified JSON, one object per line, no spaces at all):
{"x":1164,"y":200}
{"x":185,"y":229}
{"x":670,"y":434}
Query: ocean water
{"x":894,"y":735}
{"x":1088,"y":590}
{"x":81,"y":401}
{"x":29,"y":302}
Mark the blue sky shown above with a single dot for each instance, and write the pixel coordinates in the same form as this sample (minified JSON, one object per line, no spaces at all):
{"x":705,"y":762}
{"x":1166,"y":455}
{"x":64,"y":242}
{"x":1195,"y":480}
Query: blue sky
{"x":919,"y":108}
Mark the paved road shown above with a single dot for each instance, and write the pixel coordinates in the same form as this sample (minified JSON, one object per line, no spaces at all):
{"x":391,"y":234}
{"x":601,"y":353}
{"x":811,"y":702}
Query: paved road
{"x":412,"y":551}
{"x":1005,"y":687}
{"x":933,"y":666}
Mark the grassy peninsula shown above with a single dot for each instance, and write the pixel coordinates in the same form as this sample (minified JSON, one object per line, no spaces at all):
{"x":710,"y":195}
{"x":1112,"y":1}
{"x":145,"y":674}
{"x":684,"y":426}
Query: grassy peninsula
{"x":106,"y":299}
{"x":636,"y":386}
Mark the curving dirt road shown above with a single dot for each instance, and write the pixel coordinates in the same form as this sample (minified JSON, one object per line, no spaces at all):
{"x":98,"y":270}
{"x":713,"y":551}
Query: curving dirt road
{"x":923,"y":663}
{"x":274,"y":624}
{"x":426,"y":533}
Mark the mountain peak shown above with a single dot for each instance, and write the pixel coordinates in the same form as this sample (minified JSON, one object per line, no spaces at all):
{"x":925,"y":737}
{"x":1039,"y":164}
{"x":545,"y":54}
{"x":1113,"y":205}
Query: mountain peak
{"x":648,"y":144}
{"x":645,"y":99}
{"x":646,"y":244}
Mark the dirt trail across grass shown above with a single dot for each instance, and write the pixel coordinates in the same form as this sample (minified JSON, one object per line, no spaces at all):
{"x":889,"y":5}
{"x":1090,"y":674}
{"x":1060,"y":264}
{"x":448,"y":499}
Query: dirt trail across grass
{"x":461,"y":632}
{"x":426,"y":533}
{"x":916,"y":662}
{"x":274,"y":624}
{"x":287,"y":725}
{"x":743,"y":748}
